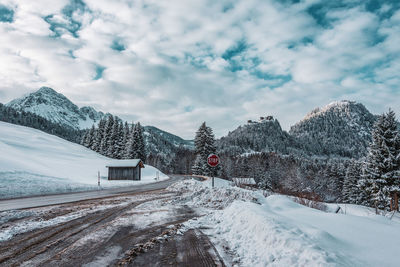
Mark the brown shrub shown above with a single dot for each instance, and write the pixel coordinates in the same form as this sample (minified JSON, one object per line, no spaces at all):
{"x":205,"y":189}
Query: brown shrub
{"x":308,"y":199}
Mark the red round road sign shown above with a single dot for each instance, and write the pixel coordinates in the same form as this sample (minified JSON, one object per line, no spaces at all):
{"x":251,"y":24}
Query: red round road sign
{"x":213,"y":160}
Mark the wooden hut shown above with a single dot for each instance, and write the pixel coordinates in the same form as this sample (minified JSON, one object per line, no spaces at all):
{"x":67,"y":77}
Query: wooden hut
{"x":129,"y":169}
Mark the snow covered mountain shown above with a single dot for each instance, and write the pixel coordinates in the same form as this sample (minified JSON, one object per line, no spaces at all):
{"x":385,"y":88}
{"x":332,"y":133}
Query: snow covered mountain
{"x":341,"y":128}
{"x":55,"y":107}
{"x":263,"y":136}
{"x":58,"y":109}
{"x":152,"y":132}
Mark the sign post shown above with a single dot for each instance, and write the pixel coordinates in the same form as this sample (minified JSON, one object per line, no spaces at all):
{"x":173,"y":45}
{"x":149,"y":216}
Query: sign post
{"x":213,"y":161}
{"x":98,"y":179}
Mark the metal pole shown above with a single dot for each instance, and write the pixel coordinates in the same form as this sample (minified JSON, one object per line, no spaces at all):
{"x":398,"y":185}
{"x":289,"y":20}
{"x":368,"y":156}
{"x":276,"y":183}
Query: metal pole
{"x":98,"y":179}
{"x":212,"y":181}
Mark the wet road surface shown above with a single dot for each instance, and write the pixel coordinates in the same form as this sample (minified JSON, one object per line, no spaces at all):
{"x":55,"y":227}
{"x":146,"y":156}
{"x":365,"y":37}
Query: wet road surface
{"x":127,"y":229}
{"x":40,"y":201}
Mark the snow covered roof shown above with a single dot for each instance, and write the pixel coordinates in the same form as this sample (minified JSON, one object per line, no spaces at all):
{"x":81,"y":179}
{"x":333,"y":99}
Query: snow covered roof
{"x":125,"y":163}
{"x":244,"y":181}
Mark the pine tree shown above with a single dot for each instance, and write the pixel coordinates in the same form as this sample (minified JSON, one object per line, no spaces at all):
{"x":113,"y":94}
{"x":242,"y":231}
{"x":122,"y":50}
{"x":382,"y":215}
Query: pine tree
{"x":381,"y":171}
{"x":136,"y":148}
{"x":131,"y":146}
{"x":204,"y":146}
{"x":84,"y":138}
{"x":90,"y":137}
{"x":141,"y":146}
{"x":392,"y":138}
{"x":199,"y":166}
{"x":119,"y":146}
{"x":105,"y":141}
{"x":364,"y":197}
{"x":112,"y":145}
{"x":95,"y":145}
{"x":99,"y":135}
{"x":351,"y":192}
{"x":125,"y":139}
{"x":266,"y":181}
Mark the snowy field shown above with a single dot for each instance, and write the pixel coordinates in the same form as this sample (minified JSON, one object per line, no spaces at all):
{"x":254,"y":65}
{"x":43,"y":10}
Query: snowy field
{"x":249,"y":229}
{"x":34,"y":163}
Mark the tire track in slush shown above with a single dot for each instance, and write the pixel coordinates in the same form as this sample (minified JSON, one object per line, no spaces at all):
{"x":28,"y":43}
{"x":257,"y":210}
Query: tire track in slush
{"x":30,"y":245}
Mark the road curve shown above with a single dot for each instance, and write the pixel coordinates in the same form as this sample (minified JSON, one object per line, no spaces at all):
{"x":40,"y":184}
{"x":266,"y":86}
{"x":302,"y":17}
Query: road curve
{"x":40,"y":201}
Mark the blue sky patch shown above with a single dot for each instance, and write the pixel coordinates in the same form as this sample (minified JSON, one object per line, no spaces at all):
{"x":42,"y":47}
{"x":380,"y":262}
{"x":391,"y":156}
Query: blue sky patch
{"x":99,"y":72}
{"x":234,"y":51}
{"x":70,"y":24}
{"x":6,"y":14}
{"x":71,"y":53}
{"x":73,"y":6}
{"x":117,"y":45}
{"x":188,"y":108}
{"x":58,"y":28}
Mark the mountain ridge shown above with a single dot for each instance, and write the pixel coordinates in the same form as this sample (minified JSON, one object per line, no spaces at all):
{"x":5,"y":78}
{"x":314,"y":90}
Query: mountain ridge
{"x":341,"y":128}
{"x":57,"y":108}
{"x":54,"y":106}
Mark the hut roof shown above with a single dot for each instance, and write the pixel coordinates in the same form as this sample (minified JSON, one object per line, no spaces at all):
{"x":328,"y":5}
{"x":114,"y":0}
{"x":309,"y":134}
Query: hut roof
{"x":120,"y":163}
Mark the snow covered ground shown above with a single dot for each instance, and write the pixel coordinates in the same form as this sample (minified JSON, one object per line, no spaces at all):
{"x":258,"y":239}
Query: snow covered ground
{"x":253,"y":230}
{"x":33,"y":163}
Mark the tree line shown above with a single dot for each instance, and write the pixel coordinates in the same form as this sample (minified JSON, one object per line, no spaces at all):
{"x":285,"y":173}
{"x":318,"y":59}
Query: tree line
{"x":372,"y":181}
{"x":375,"y":181}
{"x":114,"y":139}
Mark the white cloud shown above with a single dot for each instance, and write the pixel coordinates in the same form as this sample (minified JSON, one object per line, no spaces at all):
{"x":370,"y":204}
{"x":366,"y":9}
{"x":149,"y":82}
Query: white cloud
{"x":174,"y":70}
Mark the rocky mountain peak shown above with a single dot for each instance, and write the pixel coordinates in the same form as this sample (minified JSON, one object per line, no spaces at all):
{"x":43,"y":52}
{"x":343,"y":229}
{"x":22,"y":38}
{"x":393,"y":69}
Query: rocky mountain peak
{"x":57,"y":108}
{"x":46,"y":90}
{"x":344,"y":108}
{"x":342,"y":128}
{"x":264,"y":135}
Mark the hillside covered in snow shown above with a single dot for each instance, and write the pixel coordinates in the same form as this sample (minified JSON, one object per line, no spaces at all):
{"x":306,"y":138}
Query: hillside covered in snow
{"x":249,"y":229}
{"x":55,"y":107}
{"x":341,"y":128}
{"x":33,"y":162}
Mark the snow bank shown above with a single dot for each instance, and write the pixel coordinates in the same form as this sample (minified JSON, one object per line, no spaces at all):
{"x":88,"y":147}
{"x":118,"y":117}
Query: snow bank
{"x":251,"y":230}
{"x":363,"y":211}
{"x":259,"y":239}
{"x":280,"y":232}
{"x":201,"y":194}
{"x":218,"y":182}
{"x":33,"y":162}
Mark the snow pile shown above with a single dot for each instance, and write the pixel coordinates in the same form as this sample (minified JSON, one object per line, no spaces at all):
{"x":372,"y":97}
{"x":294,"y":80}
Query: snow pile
{"x":259,"y":239}
{"x":33,"y":163}
{"x":201,"y":194}
{"x":363,"y":211}
{"x":280,"y":232}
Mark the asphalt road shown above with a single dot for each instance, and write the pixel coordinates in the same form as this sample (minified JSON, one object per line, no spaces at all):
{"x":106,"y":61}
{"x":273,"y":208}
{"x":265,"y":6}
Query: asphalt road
{"x":40,"y":201}
{"x":129,"y":228}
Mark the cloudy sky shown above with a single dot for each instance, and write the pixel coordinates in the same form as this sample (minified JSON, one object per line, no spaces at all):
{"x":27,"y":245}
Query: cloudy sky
{"x":174,"y":64}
